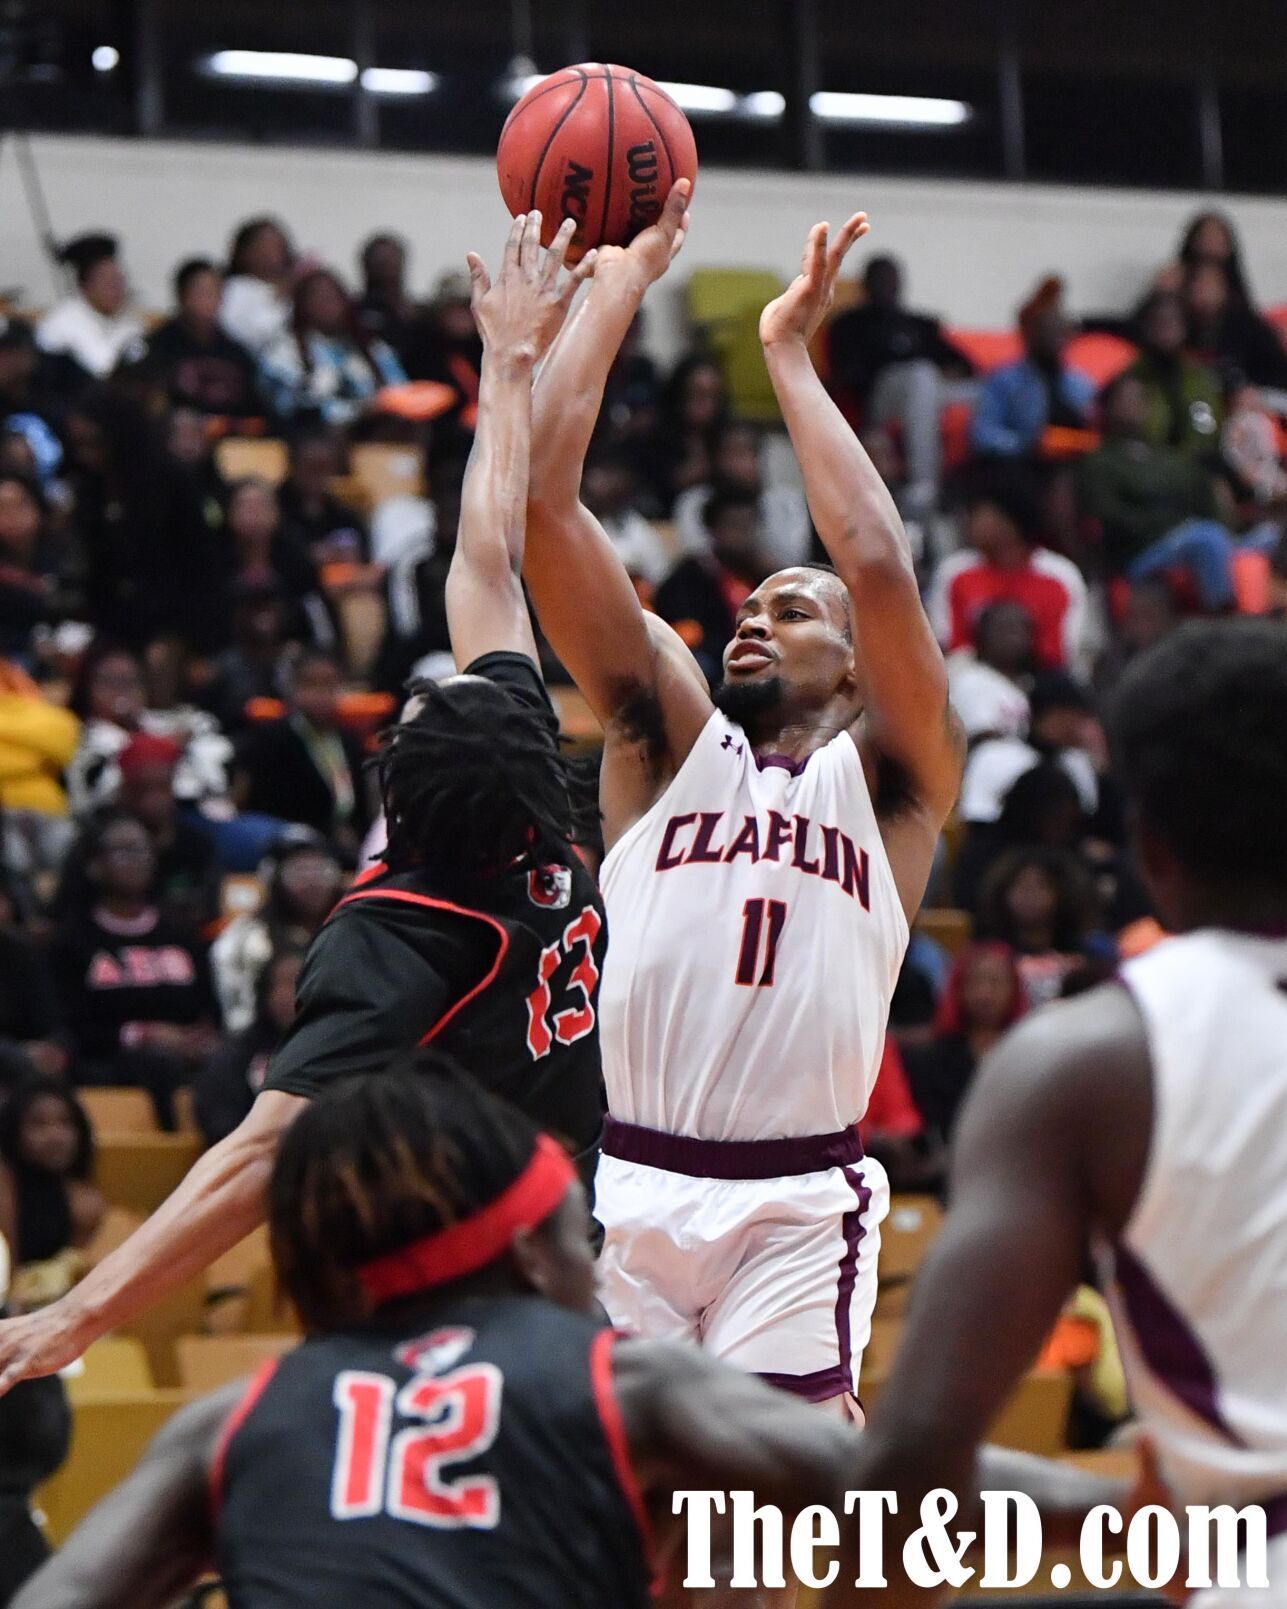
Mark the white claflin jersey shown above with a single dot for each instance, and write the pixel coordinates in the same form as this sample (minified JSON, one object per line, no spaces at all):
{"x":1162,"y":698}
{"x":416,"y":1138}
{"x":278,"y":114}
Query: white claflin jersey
{"x":1200,"y":1275}
{"x":755,"y":938}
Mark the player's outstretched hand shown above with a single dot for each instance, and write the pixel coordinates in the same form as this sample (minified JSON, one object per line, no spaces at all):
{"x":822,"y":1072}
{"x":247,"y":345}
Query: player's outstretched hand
{"x":519,"y":316}
{"x":652,"y":251}
{"x":38,"y":1343}
{"x":801,"y":308}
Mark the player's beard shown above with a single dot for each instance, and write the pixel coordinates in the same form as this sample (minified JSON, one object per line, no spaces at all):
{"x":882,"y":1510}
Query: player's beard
{"x":747,"y":703}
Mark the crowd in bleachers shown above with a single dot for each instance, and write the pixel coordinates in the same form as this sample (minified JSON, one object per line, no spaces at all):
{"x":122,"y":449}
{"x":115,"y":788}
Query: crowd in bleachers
{"x":224,"y":537}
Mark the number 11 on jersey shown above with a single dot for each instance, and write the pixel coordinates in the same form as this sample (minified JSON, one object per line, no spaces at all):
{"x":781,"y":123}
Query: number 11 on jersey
{"x":760,"y":940}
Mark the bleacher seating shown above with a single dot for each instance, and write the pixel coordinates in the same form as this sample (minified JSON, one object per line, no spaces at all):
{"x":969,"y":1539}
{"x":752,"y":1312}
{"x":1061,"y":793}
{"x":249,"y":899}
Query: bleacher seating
{"x":207,"y":1362}
{"x":139,"y":1170}
{"x":109,"y":1433}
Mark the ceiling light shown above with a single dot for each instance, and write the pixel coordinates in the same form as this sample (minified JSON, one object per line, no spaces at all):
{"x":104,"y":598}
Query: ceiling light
{"x":398,"y":81}
{"x":892,"y":111}
{"x":104,"y":58}
{"x":282,"y":67}
{"x":706,"y":99}
{"x":764,"y":103}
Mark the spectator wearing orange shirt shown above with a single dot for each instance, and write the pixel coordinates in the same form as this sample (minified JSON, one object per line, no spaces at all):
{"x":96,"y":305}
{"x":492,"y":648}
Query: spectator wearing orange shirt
{"x":1002,"y":560}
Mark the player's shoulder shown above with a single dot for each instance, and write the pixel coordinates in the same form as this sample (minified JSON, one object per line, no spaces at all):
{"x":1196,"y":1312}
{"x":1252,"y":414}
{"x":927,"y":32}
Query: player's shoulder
{"x":1073,"y":1062}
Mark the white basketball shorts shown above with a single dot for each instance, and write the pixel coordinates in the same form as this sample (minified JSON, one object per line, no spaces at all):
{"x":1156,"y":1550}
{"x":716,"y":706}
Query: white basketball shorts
{"x":764,"y":1252}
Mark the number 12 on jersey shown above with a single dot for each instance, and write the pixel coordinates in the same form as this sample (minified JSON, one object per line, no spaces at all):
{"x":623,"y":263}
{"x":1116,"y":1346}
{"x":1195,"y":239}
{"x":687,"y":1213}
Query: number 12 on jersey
{"x":762,"y":924}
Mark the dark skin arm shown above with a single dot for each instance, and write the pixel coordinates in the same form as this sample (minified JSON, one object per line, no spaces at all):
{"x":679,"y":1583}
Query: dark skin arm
{"x":1051,"y":1150}
{"x":695,"y":1423}
{"x":152,"y":1538}
{"x":517,"y":318}
{"x":639,"y":679}
{"x":906,"y":722}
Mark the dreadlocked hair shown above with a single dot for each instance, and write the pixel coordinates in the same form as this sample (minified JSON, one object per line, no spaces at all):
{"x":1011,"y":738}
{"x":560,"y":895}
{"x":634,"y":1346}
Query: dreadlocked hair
{"x":473,"y":782}
{"x":380,"y":1162}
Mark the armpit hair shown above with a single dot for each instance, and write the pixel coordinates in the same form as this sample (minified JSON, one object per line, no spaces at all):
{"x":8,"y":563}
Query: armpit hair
{"x":639,"y":718}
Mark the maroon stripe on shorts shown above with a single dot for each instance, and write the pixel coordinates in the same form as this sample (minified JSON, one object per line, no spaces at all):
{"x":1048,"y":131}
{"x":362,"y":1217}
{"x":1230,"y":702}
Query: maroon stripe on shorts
{"x":853,"y":1228}
{"x":820,"y":1386}
{"x":731,"y":1159}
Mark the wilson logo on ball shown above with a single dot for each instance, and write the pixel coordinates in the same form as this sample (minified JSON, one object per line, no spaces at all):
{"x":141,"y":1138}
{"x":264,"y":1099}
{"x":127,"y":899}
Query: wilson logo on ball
{"x":643,"y":167}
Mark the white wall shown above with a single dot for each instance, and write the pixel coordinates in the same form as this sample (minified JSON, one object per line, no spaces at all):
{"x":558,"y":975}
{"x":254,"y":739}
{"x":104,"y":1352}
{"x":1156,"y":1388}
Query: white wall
{"x":972,"y":250}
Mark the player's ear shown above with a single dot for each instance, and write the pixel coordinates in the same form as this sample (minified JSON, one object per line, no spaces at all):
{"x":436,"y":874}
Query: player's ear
{"x":532,"y":1257}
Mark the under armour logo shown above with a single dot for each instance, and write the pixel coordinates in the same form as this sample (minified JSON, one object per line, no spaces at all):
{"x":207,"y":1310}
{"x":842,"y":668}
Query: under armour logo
{"x":728,"y":743}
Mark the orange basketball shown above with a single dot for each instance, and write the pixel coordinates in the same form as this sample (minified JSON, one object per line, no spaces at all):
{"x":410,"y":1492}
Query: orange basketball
{"x":597,"y":143}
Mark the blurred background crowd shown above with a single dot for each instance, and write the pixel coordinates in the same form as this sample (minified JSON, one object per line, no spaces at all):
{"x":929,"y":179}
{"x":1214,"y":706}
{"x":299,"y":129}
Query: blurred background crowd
{"x":225,"y":528}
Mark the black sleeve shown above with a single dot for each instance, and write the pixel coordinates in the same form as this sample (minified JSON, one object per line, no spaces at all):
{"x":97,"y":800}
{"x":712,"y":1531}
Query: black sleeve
{"x":221,"y":1090}
{"x":519,"y":675}
{"x":367,"y":997}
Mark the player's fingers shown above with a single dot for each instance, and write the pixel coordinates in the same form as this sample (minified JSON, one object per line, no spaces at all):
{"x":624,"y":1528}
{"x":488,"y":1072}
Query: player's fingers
{"x":479,"y":281}
{"x":853,"y":230}
{"x":529,"y":248}
{"x":514,"y":243}
{"x":673,"y":213}
{"x":558,"y":251}
{"x":813,"y":264}
{"x":681,"y":235}
{"x":584,"y":270}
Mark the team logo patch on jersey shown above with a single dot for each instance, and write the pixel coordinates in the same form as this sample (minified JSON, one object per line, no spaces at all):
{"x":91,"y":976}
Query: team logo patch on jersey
{"x":550,"y":886}
{"x":438,"y":1351}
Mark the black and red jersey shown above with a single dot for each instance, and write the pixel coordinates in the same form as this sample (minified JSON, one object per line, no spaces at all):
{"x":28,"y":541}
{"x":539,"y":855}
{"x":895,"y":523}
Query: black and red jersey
{"x":478,"y":1463}
{"x":504,"y":977}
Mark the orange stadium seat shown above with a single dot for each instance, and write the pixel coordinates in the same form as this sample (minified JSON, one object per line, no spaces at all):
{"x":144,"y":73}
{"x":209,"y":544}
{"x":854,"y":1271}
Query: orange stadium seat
{"x":137,"y":1171}
{"x":948,"y":927}
{"x":905,"y":1237}
{"x":109,"y":1434}
{"x":385,"y":470}
{"x":119,"y":1111}
{"x":207,"y":1362}
{"x":241,"y":456}
{"x":1033,"y":1421}
{"x":159,"y":1327}
{"x":116,"y":1366}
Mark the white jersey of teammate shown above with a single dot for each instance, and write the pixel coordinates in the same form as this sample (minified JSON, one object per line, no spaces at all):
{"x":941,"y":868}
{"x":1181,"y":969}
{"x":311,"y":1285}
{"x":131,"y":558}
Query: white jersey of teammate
{"x":1200,"y":1272}
{"x":756,"y":937}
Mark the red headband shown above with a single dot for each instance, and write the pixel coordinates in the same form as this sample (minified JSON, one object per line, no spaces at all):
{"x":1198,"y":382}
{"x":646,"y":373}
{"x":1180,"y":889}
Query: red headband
{"x":464,"y":1247}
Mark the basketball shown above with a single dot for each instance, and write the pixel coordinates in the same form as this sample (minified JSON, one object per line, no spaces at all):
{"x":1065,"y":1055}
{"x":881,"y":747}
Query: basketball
{"x":600,"y":144}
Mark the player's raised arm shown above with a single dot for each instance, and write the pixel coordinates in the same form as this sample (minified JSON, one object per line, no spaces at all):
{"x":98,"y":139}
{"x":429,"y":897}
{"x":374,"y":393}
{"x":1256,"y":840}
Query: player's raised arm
{"x":905,"y":682}
{"x":517,"y":318}
{"x":584,"y":598}
{"x":216,"y":1204}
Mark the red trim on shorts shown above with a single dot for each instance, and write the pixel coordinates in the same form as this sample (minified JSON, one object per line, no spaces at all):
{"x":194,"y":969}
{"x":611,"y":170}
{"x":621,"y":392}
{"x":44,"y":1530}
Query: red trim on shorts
{"x":408,"y":898}
{"x":614,"y":1431}
{"x":258,"y":1384}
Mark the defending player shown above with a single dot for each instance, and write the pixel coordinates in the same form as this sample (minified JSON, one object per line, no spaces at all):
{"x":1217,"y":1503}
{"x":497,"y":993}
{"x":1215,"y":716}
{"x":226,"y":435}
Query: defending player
{"x":458,"y":1428}
{"x":1147,"y":1121}
{"x":481,"y":932}
{"x":766,"y":851}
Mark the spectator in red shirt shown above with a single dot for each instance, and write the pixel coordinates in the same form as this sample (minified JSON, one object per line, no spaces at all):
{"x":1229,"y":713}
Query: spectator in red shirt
{"x":892,"y":1130}
{"x":984,"y":995}
{"x":1002,"y":559}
